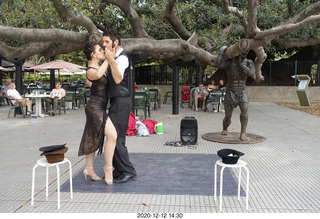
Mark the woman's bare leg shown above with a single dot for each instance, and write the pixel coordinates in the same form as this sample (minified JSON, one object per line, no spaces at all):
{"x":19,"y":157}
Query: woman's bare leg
{"x":110,"y":145}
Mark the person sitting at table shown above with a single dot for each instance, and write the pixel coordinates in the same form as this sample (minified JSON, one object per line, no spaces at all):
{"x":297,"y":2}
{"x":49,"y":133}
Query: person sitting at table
{"x":212,"y":86}
{"x":221,"y":84}
{"x":200,"y":93}
{"x":55,"y":96}
{"x":16,"y":98}
{"x":39,"y":83}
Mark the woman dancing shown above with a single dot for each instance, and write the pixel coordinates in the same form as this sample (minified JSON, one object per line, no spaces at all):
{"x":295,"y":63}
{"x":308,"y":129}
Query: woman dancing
{"x":98,"y":124}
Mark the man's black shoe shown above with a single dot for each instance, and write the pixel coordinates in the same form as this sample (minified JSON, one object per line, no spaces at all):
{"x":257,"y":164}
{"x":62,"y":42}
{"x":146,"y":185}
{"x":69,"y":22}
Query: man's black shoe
{"x":124,"y":178}
{"x":116,"y":174}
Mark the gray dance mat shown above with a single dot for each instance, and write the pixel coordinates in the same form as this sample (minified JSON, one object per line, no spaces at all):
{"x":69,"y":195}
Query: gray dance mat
{"x":163,"y":174}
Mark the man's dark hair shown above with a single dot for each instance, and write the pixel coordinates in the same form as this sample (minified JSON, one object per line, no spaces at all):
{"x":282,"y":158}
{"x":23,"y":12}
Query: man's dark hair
{"x":113,"y":34}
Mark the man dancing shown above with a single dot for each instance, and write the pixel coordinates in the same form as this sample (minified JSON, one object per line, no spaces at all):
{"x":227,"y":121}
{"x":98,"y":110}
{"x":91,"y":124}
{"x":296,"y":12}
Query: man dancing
{"x":121,"y":106}
{"x":237,"y":69}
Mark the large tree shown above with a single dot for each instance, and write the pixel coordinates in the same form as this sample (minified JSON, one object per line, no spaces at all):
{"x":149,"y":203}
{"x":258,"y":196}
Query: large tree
{"x":165,"y":30}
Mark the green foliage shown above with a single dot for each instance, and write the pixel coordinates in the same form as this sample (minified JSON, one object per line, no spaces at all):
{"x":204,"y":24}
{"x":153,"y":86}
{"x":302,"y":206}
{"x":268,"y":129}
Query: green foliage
{"x":203,"y":17}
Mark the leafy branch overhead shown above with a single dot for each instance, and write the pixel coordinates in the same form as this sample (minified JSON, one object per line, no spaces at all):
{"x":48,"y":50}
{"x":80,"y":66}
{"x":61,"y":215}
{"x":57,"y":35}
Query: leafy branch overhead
{"x":164,"y":29}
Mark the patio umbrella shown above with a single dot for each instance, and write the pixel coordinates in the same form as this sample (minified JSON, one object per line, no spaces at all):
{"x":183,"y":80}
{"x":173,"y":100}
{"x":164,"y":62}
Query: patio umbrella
{"x":57,"y":64}
{"x":3,"y":69}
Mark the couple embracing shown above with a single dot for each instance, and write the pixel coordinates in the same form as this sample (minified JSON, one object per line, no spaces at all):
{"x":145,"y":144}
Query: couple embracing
{"x":108,"y":81}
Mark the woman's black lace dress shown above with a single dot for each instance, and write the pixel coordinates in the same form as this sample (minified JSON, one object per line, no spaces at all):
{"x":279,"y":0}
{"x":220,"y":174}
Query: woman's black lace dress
{"x":93,"y":134}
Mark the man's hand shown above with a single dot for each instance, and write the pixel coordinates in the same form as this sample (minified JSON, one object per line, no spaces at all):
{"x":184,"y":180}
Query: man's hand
{"x":110,"y":54}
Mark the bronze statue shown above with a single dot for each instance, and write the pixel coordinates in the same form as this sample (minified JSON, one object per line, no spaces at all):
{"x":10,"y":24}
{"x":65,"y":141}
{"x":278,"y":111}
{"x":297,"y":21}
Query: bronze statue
{"x":237,"y":69}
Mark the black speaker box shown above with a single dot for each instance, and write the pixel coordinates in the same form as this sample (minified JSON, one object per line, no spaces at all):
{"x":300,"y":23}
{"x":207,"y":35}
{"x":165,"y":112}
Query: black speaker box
{"x":188,"y":131}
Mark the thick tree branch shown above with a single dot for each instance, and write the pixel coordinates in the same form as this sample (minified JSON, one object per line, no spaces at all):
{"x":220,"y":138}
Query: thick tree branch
{"x":252,"y":18}
{"x":309,"y":11}
{"x":288,"y":27}
{"x":296,"y":43}
{"x":75,"y":18}
{"x":53,"y":34}
{"x":24,"y":51}
{"x":138,"y":30}
{"x":261,"y":57}
{"x":178,"y":26}
{"x":65,"y":48}
{"x":175,"y":22}
{"x":169,"y":48}
{"x":233,"y":10}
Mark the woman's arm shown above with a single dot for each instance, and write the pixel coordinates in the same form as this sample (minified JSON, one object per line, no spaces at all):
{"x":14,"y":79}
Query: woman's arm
{"x":95,"y":74}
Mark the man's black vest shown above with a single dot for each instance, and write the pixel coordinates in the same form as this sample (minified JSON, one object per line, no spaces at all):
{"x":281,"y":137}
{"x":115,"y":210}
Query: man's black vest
{"x":121,"y":89}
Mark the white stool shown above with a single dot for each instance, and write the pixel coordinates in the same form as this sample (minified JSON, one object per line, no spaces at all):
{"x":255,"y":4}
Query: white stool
{"x":43,"y":162}
{"x":239,"y":165}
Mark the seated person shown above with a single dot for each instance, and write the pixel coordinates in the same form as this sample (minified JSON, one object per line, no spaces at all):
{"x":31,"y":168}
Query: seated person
{"x":16,"y":98}
{"x":221,"y":84}
{"x":39,"y":83}
{"x":212,"y":86}
{"x":55,"y":96}
{"x":6,"y":88}
{"x":200,"y":93}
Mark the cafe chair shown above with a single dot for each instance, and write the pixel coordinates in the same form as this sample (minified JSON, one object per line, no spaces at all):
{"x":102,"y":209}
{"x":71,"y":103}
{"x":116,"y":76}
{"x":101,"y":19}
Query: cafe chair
{"x":153,"y":98}
{"x":157,"y":91}
{"x":141,"y":102}
{"x":15,"y":108}
{"x":70,"y":97}
{"x":3,"y":99}
{"x":167,"y":95}
{"x":214,"y":97}
{"x":80,"y":95}
{"x":62,"y":104}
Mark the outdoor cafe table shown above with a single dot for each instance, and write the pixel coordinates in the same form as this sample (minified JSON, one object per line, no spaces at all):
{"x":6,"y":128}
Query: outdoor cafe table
{"x":38,"y":98}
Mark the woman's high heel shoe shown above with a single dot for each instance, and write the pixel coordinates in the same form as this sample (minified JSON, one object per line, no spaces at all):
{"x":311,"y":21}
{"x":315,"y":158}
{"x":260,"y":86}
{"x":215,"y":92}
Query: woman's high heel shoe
{"x":86,"y":172}
{"x":105,"y":169}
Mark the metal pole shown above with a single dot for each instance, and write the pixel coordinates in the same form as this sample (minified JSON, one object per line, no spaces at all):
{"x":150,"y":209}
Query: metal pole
{"x":131,"y":80}
{"x":18,"y":63}
{"x":0,"y":71}
{"x":295,"y":72}
{"x":175,"y":90}
{"x":318,"y":74}
{"x":199,"y":76}
{"x":270,"y":70}
{"x":52,"y":78}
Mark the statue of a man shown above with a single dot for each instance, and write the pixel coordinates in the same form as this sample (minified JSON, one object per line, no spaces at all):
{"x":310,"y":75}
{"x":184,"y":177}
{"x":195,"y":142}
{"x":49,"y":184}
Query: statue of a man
{"x":237,"y":69}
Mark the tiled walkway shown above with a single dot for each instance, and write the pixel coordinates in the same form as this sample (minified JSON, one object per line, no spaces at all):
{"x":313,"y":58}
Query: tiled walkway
{"x":284,"y":170}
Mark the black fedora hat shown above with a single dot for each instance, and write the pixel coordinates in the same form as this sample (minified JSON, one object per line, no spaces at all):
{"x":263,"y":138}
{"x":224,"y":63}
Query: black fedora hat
{"x":52,"y":148}
{"x":230,"y":156}
{"x":54,"y":153}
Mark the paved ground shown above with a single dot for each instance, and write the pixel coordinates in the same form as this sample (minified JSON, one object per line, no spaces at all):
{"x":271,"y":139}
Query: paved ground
{"x":284,"y":170}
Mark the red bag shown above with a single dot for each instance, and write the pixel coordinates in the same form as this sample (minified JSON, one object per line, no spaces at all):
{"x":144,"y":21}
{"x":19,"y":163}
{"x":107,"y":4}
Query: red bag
{"x":131,"y":125}
{"x":150,"y":125}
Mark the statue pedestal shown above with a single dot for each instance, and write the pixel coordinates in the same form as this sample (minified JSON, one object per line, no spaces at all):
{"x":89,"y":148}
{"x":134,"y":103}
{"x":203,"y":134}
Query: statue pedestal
{"x":232,"y":138}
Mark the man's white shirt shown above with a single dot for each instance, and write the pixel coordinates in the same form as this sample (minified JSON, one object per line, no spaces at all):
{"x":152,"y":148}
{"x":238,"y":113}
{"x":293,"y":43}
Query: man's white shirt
{"x":15,"y":94}
{"x":122,"y":62}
